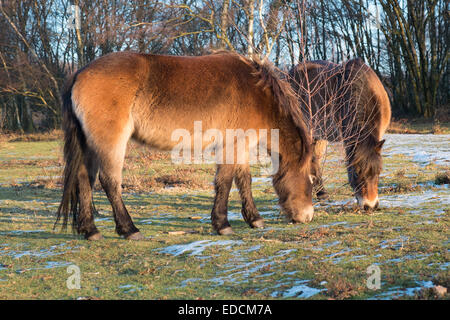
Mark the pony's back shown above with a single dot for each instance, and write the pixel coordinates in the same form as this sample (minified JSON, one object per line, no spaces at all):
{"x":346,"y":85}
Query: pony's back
{"x":338,"y":99}
{"x":368,"y":96}
{"x":316,"y":84}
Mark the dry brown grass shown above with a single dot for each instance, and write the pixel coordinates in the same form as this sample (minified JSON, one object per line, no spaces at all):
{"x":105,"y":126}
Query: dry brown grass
{"x":442,"y":279}
{"x":14,"y":163}
{"x":341,"y":289}
{"x":142,"y":158}
{"x":180,"y":178}
{"x":32,"y":137}
{"x":437,"y":129}
{"x":402,"y":187}
{"x":400,"y":126}
{"x":442,"y":177}
{"x":48,"y":183}
{"x":316,"y":234}
{"x":439,"y":125}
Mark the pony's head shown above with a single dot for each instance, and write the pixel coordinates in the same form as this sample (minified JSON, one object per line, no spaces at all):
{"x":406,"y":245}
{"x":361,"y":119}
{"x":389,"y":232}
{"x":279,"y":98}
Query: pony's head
{"x":293,"y":184}
{"x":365,"y":164}
{"x":293,"y":180}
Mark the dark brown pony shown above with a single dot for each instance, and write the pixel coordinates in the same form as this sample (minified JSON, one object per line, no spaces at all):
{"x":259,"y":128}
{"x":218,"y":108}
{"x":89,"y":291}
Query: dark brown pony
{"x":349,"y":103}
{"x":146,"y":97}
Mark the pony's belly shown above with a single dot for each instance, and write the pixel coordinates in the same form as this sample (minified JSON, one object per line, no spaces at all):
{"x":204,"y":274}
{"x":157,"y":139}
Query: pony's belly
{"x":157,"y":138}
{"x":199,"y":137}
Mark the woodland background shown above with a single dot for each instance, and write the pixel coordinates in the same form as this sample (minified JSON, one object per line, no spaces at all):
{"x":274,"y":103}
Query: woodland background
{"x":42,"y":41}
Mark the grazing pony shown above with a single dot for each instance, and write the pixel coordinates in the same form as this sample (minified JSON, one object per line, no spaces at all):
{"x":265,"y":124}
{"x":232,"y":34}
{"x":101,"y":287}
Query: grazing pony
{"x":146,"y":97}
{"x":349,"y":103}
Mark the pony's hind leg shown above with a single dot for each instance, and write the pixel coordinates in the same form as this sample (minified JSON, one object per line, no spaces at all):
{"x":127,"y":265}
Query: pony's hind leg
{"x":87,"y":175}
{"x":243,"y":181}
{"x":111,"y":158}
{"x":222,"y":186}
{"x":111,"y":181}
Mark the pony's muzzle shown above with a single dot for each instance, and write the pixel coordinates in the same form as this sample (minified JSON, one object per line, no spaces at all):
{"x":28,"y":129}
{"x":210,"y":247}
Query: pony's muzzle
{"x":367,"y":204}
{"x":303,"y":215}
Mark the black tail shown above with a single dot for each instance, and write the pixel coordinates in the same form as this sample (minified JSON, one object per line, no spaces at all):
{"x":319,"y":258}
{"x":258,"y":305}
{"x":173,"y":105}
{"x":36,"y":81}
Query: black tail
{"x":74,"y":142}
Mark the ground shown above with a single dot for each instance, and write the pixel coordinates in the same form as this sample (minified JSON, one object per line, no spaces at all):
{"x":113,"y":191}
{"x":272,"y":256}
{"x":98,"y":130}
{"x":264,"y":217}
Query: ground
{"x":406,"y":240}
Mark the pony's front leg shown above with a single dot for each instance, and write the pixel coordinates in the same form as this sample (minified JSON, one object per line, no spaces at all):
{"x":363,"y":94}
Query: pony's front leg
{"x":243,"y":181}
{"x":222,"y":186}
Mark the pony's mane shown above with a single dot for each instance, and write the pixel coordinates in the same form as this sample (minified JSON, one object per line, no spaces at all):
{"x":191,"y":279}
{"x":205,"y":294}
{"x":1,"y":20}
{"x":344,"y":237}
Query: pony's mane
{"x":321,"y":63}
{"x":284,"y":97}
{"x":366,"y":158}
{"x":319,"y":74}
{"x":356,"y":73}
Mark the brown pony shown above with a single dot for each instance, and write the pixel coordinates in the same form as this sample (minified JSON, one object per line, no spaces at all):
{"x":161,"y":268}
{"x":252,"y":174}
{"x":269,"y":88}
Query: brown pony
{"x":349,"y":103}
{"x":146,"y":97}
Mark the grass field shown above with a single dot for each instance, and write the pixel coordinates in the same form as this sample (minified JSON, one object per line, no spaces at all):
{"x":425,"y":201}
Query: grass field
{"x":407,"y":238}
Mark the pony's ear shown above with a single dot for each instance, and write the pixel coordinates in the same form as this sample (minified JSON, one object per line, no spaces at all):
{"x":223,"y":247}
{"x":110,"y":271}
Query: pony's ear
{"x":379,"y":145}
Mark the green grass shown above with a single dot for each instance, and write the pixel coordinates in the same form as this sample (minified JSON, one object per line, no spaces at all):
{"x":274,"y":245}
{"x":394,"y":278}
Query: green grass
{"x":407,"y":238}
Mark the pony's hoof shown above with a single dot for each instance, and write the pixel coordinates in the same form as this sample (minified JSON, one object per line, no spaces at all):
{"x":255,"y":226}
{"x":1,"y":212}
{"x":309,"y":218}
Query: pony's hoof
{"x":135,"y":236}
{"x":95,"y":237}
{"x":225,"y":231}
{"x":322,"y":195}
{"x":258,"y":224}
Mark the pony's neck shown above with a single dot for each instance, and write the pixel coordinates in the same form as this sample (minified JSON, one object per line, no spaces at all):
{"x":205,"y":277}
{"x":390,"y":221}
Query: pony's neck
{"x":291,"y":148}
{"x":360,"y":147}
